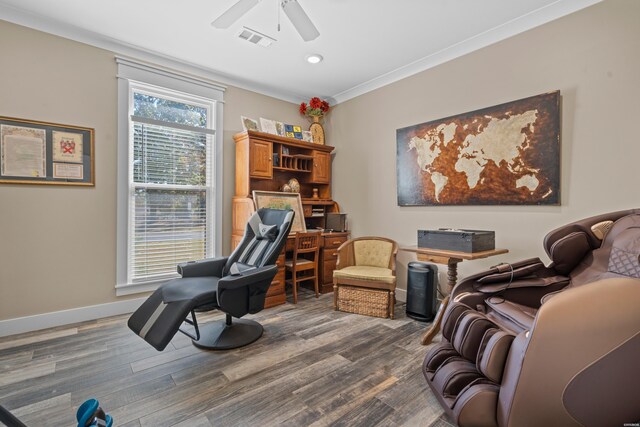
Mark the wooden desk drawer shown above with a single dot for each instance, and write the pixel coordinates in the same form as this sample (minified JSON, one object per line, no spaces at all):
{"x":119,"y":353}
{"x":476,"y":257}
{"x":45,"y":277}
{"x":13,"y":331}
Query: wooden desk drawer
{"x":276,"y":288}
{"x":329,"y":254}
{"x":274,"y":300}
{"x":334,"y":242}
{"x":279,"y":276}
{"x":327,"y":271}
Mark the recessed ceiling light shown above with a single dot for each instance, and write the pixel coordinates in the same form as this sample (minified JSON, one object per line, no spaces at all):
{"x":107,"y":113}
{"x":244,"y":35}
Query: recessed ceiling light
{"x":314,"y":58}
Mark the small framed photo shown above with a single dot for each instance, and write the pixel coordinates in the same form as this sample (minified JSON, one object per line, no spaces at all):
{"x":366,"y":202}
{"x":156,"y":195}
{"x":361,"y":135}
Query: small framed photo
{"x":280,"y":129}
{"x":268,"y":126}
{"x":288,"y":131}
{"x":307,"y":136}
{"x":249,"y":124}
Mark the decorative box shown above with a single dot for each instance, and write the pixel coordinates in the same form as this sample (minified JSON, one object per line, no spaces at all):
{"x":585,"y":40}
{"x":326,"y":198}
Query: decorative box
{"x":457,"y":240}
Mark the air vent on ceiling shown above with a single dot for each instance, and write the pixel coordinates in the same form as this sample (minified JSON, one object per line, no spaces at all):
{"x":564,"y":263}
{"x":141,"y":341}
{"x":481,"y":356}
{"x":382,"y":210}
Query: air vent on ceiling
{"x":255,"y":37}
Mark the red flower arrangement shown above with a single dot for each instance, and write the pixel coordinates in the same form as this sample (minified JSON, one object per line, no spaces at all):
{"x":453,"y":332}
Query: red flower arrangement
{"x":316,"y":108}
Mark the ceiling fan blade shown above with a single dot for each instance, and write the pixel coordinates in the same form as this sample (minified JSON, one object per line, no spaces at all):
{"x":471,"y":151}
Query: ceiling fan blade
{"x":234,"y":13}
{"x":300,"y":20}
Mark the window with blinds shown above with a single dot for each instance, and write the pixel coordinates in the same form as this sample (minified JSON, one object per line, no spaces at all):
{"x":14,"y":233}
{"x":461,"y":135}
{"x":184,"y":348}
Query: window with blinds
{"x":171,"y":182}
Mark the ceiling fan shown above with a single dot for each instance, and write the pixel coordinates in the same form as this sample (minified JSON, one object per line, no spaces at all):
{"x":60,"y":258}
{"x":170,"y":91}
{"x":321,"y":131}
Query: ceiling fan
{"x":291,"y":8}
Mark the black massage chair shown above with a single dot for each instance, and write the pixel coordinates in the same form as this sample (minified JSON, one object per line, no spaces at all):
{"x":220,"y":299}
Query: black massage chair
{"x":236,"y":285}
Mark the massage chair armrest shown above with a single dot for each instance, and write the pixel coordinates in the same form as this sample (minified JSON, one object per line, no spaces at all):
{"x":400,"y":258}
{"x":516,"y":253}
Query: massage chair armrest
{"x":577,"y":343}
{"x":247,"y":278}
{"x":245,"y":292}
{"x":532,"y":267}
{"x":206,"y":267}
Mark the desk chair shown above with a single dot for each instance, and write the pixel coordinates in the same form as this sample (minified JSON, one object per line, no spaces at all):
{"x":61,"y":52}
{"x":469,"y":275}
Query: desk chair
{"x":307,"y":245}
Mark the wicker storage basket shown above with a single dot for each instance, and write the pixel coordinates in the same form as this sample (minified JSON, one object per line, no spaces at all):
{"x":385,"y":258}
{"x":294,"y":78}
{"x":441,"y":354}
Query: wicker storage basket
{"x":371,"y":302}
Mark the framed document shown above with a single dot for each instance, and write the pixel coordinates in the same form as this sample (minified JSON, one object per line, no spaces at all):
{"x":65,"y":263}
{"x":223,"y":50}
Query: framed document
{"x":33,"y":152}
{"x":67,"y":147}
{"x":64,"y":171}
{"x":23,"y":152}
{"x":268,"y":126}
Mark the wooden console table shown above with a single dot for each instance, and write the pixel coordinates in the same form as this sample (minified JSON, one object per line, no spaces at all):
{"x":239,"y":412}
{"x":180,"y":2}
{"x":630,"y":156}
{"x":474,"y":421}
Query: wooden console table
{"x":451,"y":259}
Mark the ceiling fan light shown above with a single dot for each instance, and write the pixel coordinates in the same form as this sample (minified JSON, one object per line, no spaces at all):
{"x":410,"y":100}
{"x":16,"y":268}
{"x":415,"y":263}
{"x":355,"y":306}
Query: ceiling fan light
{"x":300,"y":20}
{"x":314,"y":58}
{"x":234,"y":13}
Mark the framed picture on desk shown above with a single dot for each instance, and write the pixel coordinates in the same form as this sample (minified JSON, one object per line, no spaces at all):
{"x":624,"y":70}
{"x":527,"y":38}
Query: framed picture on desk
{"x":280,"y":200}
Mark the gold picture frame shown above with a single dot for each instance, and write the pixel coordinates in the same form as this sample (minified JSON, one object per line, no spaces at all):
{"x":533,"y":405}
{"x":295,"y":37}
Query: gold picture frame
{"x":36,"y":152}
{"x":280,"y":200}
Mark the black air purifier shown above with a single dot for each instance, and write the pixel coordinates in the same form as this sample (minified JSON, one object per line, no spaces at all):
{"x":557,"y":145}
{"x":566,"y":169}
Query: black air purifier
{"x":422,"y":282}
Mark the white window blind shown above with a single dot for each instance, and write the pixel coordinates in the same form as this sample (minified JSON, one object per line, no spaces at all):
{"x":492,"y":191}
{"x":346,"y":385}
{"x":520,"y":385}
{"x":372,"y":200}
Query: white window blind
{"x":171,"y":182}
{"x":169,"y":172}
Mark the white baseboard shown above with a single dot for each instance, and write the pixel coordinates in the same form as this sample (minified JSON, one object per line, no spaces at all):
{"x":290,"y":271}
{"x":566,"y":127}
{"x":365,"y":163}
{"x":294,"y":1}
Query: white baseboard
{"x":82,"y":314}
{"x":65,"y":317}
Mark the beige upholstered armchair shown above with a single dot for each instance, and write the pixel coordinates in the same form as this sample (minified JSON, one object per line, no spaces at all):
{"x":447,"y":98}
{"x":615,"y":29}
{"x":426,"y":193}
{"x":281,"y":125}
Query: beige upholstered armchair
{"x":364,"y":280}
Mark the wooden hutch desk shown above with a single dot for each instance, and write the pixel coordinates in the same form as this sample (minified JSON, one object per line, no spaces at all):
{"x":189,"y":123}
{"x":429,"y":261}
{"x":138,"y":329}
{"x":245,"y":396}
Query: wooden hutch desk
{"x":266,"y":162}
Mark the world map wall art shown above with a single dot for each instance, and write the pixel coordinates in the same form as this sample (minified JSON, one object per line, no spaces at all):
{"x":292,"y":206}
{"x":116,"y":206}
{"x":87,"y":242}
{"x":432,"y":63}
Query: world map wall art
{"x":508,"y":154}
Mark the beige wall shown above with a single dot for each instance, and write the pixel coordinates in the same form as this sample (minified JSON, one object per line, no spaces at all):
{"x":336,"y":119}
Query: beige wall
{"x":592,"y":56}
{"x":58,"y":244}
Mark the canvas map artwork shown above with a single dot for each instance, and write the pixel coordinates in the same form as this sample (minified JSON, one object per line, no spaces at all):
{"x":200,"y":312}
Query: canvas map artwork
{"x":508,"y":154}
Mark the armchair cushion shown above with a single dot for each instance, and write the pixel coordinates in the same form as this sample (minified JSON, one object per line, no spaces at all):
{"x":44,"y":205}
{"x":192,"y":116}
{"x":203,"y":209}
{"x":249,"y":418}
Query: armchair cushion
{"x":373,"y":253}
{"x":359,"y":272}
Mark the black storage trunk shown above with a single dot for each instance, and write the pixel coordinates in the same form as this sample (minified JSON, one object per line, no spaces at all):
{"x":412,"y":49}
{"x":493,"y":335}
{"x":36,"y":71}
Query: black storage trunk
{"x":457,"y":240}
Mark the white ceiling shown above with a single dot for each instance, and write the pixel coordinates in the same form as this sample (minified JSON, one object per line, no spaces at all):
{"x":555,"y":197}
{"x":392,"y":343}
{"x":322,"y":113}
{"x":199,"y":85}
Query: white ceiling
{"x":365,"y":43}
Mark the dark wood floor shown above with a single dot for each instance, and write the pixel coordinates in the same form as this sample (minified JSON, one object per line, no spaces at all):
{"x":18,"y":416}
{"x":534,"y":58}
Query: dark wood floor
{"x":312,"y":366}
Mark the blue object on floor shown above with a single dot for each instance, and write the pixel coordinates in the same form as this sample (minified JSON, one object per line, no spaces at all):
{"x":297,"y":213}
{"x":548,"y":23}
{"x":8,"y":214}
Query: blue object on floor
{"x":91,"y":414}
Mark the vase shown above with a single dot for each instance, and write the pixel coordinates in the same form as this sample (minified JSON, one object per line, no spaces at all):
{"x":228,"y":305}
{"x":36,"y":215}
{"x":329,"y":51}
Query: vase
{"x":317,"y":131}
{"x":294,"y":185}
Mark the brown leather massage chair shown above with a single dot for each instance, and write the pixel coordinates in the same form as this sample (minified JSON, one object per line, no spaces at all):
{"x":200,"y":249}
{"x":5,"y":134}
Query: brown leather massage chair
{"x":525,"y":344}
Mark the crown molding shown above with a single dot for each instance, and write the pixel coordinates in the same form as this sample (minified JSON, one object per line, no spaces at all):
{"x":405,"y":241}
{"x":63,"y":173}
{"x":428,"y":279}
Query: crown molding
{"x":516,"y":26}
{"x":119,"y":48}
{"x":511,"y":28}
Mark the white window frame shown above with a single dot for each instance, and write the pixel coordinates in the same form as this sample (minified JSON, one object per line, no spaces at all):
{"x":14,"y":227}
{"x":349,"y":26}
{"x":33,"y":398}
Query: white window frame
{"x":159,"y":81}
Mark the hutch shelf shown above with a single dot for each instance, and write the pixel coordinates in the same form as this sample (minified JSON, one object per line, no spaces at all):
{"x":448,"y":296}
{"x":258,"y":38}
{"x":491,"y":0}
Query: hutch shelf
{"x":266,"y":162}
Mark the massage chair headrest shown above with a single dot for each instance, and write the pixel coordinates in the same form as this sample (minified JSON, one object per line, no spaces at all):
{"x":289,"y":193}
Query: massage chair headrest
{"x":569,"y":244}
